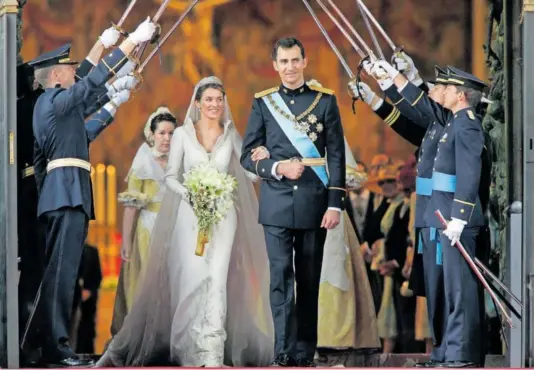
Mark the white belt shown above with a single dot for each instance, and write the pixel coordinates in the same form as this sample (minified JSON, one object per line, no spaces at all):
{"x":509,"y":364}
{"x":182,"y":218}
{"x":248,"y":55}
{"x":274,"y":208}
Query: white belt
{"x":68,"y":162}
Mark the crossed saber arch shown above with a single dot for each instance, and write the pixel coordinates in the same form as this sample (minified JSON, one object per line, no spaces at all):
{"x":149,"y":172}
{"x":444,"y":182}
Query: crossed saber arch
{"x":366,"y":52}
{"x":138,"y":53}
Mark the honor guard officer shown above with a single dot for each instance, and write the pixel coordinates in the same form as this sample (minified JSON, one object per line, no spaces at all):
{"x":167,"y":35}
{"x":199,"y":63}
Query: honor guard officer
{"x":62,"y":173}
{"x":409,"y":123}
{"x":31,"y":243}
{"x":299,"y":128}
{"x":455,"y":184}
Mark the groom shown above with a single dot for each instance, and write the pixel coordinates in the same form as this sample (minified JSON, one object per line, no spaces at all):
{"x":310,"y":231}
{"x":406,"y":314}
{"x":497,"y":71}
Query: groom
{"x":298,"y":128}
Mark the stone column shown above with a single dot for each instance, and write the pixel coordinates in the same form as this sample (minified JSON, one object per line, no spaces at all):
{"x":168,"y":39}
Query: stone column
{"x":9,"y":348}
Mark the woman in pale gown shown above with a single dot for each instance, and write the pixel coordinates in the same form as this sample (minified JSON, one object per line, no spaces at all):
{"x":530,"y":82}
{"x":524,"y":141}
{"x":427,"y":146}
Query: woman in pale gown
{"x":205,"y":310}
{"x":346,"y":314}
{"x":142,"y":201}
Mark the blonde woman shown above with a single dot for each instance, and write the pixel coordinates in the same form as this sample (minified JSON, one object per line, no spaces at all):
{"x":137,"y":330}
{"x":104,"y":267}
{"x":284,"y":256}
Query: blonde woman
{"x":142,"y":201}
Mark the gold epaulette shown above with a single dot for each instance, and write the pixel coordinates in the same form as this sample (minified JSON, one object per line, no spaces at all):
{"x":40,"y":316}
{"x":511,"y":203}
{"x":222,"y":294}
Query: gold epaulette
{"x":261,"y":94}
{"x":321,"y":89}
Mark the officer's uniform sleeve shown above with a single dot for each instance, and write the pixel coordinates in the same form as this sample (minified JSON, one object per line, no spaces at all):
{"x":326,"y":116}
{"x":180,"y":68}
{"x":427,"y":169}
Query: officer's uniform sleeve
{"x":97,"y":123}
{"x":469,"y":141}
{"x":428,"y":108}
{"x":402,"y":125}
{"x":83,"y":69}
{"x":336,"y":161}
{"x":406,"y":109}
{"x":83,"y":92}
{"x":39,"y":165}
{"x":255,"y":136}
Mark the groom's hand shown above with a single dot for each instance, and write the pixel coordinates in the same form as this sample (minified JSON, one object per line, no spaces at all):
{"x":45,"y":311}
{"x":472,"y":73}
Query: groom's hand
{"x":292,"y":170}
{"x":331,"y":219}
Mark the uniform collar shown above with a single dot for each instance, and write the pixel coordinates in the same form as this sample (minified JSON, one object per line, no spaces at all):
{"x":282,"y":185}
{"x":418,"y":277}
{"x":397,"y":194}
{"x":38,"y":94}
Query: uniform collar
{"x":293,"y":92}
{"x":464,"y":111}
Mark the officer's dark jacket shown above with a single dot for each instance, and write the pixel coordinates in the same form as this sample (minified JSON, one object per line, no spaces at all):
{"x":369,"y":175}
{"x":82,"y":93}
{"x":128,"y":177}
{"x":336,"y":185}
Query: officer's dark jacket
{"x":457,"y":165}
{"x":60,"y":132}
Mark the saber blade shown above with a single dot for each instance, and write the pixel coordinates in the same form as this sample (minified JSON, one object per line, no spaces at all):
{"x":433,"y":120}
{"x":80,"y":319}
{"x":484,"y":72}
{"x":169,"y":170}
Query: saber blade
{"x":378,"y":26}
{"x":371,"y":32}
{"x":355,"y":33}
{"x":126,"y":12}
{"x":330,"y":41}
{"x":344,"y":32}
{"x":166,"y":36}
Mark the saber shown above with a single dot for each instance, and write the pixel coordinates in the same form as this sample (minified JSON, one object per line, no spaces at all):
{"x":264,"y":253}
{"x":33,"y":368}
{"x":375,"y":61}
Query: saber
{"x":478,"y":273}
{"x":494,"y":278}
{"x":155,"y":19}
{"x":355,"y":33}
{"x":126,"y":12}
{"x":370,"y":31}
{"x":378,"y":26}
{"x":344,"y":32}
{"x":166,"y":36}
{"x":330,"y":41}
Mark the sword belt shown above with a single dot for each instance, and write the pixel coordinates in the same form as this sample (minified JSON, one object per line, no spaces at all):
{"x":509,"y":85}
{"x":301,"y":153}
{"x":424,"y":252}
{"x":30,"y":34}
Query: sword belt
{"x":68,"y":162}
{"x":307,"y":161}
{"x":27,"y":172}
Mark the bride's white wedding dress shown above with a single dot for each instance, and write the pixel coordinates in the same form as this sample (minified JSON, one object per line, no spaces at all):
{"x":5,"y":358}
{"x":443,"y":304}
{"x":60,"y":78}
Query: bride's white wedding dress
{"x":217,"y":306}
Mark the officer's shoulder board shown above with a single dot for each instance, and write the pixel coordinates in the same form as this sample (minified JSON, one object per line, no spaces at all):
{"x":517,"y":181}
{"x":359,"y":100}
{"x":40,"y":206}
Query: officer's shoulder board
{"x":261,"y":94}
{"x":470,"y":115}
{"x":321,"y":89}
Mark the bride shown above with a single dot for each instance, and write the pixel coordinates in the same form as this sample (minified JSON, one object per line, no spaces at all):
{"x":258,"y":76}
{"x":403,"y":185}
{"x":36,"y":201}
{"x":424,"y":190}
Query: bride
{"x":210,"y":310}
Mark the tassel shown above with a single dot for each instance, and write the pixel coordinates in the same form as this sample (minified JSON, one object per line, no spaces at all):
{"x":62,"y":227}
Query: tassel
{"x":202,"y":239}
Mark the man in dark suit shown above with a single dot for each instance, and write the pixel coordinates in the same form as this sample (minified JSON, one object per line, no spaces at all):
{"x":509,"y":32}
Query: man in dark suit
{"x":299,"y":128}
{"x":62,"y":172}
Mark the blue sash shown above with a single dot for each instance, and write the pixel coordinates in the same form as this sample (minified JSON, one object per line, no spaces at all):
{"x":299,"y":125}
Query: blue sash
{"x":299,"y":140}
{"x":435,"y":236}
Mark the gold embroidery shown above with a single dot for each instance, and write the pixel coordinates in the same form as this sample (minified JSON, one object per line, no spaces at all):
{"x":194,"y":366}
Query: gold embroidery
{"x":321,"y":89}
{"x":266,"y":92}
{"x":298,"y":122}
{"x":471,"y":115}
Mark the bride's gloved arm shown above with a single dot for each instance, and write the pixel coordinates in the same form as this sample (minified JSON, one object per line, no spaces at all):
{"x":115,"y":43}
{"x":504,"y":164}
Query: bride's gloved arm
{"x":176,"y":158}
{"x":237,"y":143}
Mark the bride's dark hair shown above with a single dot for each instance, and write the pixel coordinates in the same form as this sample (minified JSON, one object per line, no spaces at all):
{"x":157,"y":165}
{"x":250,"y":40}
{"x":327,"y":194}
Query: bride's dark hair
{"x":211,"y":85}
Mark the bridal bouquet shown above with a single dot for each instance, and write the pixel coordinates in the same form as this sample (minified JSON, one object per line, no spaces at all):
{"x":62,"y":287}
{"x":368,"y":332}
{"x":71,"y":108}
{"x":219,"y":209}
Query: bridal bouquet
{"x":211,"y":194}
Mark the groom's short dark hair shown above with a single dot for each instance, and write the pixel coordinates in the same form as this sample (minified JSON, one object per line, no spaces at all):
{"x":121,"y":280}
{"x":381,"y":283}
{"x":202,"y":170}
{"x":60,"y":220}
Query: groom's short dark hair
{"x":287,"y":43}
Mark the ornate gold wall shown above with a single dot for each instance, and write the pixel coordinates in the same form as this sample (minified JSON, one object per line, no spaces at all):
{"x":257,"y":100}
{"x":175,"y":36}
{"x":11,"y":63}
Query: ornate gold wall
{"x":233,"y":39}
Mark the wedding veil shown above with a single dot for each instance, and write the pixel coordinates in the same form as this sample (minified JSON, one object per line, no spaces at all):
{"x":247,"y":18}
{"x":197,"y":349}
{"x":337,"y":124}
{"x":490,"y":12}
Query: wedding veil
{"x":144,"y":338}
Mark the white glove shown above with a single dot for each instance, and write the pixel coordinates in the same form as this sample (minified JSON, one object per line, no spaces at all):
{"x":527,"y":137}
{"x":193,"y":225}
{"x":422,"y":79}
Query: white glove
{"x":382,"y":70}
{"x":125,"y":69}
{"x":366,"y":93}
{"x":367,"y":65}
{"x":121,"y":97}
{"x":109,"y":37}
{"x":454,"y":230}
{"x":143,"y":32}
{"x":405,"y":64}
{"x":384,"y":73}
{"x":124,"y":83}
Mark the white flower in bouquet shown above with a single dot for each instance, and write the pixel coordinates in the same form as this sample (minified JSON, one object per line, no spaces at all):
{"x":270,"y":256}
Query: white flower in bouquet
{"x":211,"y":194}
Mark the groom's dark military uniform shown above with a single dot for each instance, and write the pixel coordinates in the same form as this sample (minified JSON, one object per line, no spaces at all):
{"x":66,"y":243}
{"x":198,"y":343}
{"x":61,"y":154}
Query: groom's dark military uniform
{"x":292,"y":124}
